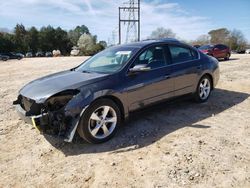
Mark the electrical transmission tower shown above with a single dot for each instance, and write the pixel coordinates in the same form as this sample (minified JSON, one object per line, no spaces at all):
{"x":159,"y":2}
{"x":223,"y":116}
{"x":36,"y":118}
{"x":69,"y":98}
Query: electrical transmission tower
{"x":129,"y":17}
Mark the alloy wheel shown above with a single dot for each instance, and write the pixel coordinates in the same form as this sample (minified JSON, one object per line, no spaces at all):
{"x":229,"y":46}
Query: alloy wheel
{"x":102,"y":122}
{"x":205,"y":88}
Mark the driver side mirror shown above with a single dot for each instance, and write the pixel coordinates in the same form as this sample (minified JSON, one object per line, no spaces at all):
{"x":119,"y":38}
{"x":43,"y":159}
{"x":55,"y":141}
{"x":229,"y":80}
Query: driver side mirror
{"x":140,"y":68}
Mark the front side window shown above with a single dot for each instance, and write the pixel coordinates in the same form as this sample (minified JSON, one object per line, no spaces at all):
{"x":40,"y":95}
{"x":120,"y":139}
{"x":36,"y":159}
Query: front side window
{"x":181,"y":54}
{"x":152,"y":57}
{"x":108,"y":61}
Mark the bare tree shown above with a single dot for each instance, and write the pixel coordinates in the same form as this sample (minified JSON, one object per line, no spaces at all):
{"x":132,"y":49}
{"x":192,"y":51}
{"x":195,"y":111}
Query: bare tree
{"x":219,"y":36}
{"x":201,"y":40}
{"x":237,"y":40}
{"x":161,"y":32}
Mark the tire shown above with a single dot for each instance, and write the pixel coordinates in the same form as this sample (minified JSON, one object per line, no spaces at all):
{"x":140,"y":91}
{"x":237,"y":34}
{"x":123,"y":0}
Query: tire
{"x":227,"y":57}
{"x":94,"y":126}
{"x":203,"y":91}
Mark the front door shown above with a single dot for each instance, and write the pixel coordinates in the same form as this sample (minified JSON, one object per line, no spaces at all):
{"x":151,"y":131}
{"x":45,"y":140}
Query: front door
{"x":148,"y":87}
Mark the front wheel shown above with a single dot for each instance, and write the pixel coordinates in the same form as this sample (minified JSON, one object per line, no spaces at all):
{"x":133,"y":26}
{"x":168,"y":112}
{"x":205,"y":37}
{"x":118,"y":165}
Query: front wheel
{"x":100,"y":121}
{"x":203,"y":89}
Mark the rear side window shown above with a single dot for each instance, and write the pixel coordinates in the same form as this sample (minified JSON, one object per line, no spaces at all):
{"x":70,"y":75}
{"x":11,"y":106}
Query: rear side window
{"x":221,"y":47}
{"x":181,"y":54}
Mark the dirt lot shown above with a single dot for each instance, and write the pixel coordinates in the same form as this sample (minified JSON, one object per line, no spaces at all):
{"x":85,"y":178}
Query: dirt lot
{"x":181,"y":144}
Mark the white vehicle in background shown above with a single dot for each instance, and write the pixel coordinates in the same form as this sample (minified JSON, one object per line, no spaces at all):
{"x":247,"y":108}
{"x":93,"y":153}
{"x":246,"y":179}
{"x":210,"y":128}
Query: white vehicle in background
{"x":247,"y":51}
{"x":56,"y":53}
{"x":74,"y":52}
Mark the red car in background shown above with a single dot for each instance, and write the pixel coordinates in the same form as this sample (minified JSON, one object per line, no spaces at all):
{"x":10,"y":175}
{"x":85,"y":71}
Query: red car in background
{"x":218,"y":51}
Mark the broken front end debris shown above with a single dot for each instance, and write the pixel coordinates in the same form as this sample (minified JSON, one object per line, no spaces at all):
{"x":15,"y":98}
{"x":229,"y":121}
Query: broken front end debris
{"x":59,"y":115}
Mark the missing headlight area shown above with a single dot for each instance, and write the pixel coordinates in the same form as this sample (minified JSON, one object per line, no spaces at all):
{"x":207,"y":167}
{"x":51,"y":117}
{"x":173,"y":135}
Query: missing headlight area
{"x":59,"y":100}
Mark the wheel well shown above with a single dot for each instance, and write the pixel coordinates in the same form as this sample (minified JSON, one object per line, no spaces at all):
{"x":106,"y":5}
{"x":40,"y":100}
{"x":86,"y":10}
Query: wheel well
{"x":211,"y":78}
{"x":117,"y":101}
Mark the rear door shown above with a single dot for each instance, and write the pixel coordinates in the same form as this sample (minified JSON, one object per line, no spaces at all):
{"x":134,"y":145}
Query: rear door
{"x":220,"y":51}
{"x":217,"y":51}
{"x":224,"y":50}
{"x":148,"y":87}
{"x":185,"y":68}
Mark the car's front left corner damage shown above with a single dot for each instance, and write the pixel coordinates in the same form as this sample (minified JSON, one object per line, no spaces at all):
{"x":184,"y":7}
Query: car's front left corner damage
{"x":58,"y":115}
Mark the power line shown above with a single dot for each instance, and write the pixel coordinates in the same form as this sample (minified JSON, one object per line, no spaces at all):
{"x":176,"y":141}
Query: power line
{"x":129,"y":15}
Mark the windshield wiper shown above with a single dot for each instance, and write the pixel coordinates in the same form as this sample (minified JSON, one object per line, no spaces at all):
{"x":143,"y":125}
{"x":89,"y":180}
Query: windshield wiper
{"x":85,"y":71}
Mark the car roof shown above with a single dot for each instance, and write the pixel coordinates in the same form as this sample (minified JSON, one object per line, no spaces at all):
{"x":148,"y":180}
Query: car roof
{"x":147,"y":42}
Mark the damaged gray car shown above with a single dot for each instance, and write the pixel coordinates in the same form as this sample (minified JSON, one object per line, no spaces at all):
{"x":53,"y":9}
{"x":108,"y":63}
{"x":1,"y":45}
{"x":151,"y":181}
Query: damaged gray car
{"x":95,"y":97}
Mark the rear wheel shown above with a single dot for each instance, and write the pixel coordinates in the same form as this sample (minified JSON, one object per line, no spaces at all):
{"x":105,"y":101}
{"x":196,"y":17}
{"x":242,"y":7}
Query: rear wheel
{"x":100,"y":121}
{"x":203,"y":89}
{"x":227,"y":57}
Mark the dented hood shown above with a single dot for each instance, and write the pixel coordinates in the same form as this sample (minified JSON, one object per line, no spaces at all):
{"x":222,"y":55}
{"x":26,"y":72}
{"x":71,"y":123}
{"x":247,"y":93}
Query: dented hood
{"x":45,"y":87}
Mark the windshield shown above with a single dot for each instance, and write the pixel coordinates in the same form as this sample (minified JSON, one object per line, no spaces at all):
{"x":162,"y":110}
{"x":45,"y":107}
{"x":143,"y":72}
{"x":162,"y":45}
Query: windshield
{"x":108,"y":61}
{"x":206,"y":47}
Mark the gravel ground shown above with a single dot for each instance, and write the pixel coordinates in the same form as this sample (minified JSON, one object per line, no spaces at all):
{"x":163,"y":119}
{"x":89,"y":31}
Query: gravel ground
{"x":174,"y":144}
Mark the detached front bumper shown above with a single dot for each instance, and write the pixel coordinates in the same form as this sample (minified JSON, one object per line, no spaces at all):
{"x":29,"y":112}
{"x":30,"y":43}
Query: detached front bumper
{"x":46,"y":124}
{"x":39,"y":122}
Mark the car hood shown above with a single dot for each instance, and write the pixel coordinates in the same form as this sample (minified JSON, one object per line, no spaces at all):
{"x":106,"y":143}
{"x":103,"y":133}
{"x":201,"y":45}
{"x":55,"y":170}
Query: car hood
{"x":45,"y":87}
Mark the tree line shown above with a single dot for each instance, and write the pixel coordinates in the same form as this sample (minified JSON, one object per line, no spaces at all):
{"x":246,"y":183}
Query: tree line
{"x":47,"y":39}
{"x":235,"y":39}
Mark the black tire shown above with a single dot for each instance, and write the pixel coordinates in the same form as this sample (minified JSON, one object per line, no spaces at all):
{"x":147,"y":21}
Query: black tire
{"x":83,"y":127}
{"x":197,"y":95}
{"x":227,"y":57}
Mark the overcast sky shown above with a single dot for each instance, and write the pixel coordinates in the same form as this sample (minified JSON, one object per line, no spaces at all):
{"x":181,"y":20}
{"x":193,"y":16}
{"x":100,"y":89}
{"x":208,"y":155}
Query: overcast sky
{"x":188,"y":19}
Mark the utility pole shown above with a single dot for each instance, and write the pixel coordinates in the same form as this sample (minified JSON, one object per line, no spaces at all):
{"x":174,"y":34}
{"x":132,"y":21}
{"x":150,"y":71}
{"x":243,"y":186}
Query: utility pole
{"x":129,"y":15}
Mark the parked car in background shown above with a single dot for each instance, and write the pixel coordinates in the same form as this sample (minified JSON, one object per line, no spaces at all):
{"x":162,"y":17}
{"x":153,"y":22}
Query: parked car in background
{"x":96,"y":96}
{"x":247,"y":51}
{"x":40,"y":54}
{"x":75,"y":52}
{"x":20,"y":54}
{"x":197,"y":46}
{"x":56,"y":53}
{"x":12,"y":55}
{"x":218,"y":51}
{"x":4,"y":57}
{"x":29,"y":54}
{"x":241,"y":51}
{"x":48,"y":54}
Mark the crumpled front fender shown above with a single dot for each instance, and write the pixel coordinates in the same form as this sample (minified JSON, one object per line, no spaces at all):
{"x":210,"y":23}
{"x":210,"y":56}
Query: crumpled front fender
{"x":77,"y":106}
